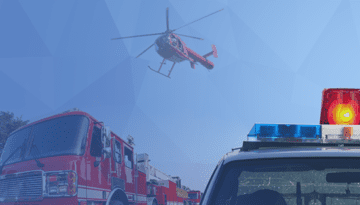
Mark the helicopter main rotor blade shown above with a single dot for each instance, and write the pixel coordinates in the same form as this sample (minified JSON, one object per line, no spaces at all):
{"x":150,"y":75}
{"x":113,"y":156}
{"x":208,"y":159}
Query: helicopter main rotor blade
{"x":145,"y":50}
{"x":167,"y":19}
{"x":153,"y":34}
{"x":197,"y":20}
{"x":189,"y":36}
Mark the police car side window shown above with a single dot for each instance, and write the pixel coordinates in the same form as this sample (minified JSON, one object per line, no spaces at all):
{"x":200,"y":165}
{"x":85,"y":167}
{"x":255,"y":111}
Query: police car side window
{"x":117,"y":152}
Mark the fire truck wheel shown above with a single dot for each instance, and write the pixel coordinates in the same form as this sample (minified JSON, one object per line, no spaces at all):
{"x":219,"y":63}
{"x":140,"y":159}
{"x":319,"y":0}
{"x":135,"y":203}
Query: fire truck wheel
{"x":116,"y":203}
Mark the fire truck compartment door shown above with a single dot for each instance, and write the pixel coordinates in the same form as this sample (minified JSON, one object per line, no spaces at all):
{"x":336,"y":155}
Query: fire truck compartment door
{"x":128,"y":175}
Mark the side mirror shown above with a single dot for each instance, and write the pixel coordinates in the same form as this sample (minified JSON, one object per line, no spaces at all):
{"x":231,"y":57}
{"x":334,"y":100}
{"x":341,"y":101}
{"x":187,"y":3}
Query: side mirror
{"x":107,"y":152}
{"x":106,"y":132}
{"x":97,"y":162}
{"x":105,"y":136}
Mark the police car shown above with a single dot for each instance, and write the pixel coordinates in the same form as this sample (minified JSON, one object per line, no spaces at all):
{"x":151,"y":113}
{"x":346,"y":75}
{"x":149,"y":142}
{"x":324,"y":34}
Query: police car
{"x":295,"y":164}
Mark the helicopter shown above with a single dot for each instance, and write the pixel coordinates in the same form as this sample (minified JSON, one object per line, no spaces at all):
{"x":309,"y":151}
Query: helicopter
{"x":170,"y":46}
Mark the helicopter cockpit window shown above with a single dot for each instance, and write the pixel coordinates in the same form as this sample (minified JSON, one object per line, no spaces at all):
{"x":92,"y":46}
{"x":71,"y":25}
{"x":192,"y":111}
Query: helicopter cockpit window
{"x":173,"y":41}
{"x":180,"y":46}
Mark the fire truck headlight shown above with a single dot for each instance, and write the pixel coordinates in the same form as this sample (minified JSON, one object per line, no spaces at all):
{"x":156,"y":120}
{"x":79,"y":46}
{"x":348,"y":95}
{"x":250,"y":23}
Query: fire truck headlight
{"x":71,"y":189}
{"x":62,"y":189}
{"x":62,"y":183}
{"x":53,"y":190}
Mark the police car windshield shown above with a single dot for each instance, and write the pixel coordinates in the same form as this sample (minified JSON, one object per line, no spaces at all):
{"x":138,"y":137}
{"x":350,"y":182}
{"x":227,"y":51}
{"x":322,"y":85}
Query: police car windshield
{"x":294,"y":181}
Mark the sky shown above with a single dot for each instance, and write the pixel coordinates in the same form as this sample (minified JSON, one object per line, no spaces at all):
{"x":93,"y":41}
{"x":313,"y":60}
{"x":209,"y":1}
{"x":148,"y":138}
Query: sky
{"x":274,"y":60}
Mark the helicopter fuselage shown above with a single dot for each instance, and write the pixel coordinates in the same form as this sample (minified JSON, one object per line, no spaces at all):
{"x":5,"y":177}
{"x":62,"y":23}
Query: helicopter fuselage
{"x":171,"y":47}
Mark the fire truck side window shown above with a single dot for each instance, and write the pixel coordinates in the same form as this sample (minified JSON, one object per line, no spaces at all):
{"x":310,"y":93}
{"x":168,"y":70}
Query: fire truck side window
{"x":96,"y":145}
{"x":128,"y":157}
{"x":117,"y":152}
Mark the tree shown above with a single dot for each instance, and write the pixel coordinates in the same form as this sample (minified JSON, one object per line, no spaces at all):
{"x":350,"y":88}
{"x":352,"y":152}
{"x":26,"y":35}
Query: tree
{"x":8,"y":123}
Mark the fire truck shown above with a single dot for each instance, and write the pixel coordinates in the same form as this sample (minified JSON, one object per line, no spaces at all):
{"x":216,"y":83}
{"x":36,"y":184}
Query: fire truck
{"x":71,"y":158}
{"x":194,"y":197}
{"x":164,"y":188}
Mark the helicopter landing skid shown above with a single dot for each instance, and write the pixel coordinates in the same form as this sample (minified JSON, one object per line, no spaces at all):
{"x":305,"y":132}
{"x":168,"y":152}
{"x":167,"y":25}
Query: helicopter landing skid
{"x":158,"y":72}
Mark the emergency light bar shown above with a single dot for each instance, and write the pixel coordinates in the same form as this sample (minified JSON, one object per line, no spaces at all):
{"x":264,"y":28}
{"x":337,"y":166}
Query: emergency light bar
{"x":339,"y":122}
{"x":340,"y":107}
{"x":285,"y":133}
{"x":340,"y":133}
{"x":305,"y":133}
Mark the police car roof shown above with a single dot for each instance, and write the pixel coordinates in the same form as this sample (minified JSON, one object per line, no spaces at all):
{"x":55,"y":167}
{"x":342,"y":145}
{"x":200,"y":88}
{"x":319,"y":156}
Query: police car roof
{"x":326,"y":150}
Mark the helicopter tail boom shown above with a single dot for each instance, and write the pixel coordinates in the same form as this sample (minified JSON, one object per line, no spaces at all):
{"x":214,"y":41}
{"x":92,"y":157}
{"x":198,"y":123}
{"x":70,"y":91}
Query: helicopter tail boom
{"x":202,"y":59}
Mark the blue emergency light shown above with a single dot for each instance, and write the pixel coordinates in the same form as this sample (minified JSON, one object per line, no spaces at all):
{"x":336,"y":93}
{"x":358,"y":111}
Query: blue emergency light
{"x":285,"y":132}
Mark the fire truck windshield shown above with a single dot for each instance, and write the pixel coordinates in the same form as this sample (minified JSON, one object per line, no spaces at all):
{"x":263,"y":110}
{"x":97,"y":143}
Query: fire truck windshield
{"x":290,"y":181}
{"x":60,"y":136}
{"x":193,"y":196}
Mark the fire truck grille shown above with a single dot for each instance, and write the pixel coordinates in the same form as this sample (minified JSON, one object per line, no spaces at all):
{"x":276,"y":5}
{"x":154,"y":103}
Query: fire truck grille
{"x":19,"y":187}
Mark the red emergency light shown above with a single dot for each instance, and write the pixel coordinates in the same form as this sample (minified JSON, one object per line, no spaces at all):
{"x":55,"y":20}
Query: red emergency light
{"x":340,"y":106}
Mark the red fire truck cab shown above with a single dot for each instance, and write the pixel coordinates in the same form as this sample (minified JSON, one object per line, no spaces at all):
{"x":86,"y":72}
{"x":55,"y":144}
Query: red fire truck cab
{"x":70,"y":158}
{"x":194,"y":197}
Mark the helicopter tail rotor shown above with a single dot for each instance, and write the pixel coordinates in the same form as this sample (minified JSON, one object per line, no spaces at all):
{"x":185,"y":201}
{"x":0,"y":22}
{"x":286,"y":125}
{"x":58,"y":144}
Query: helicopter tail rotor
{"x":213,"y":52}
